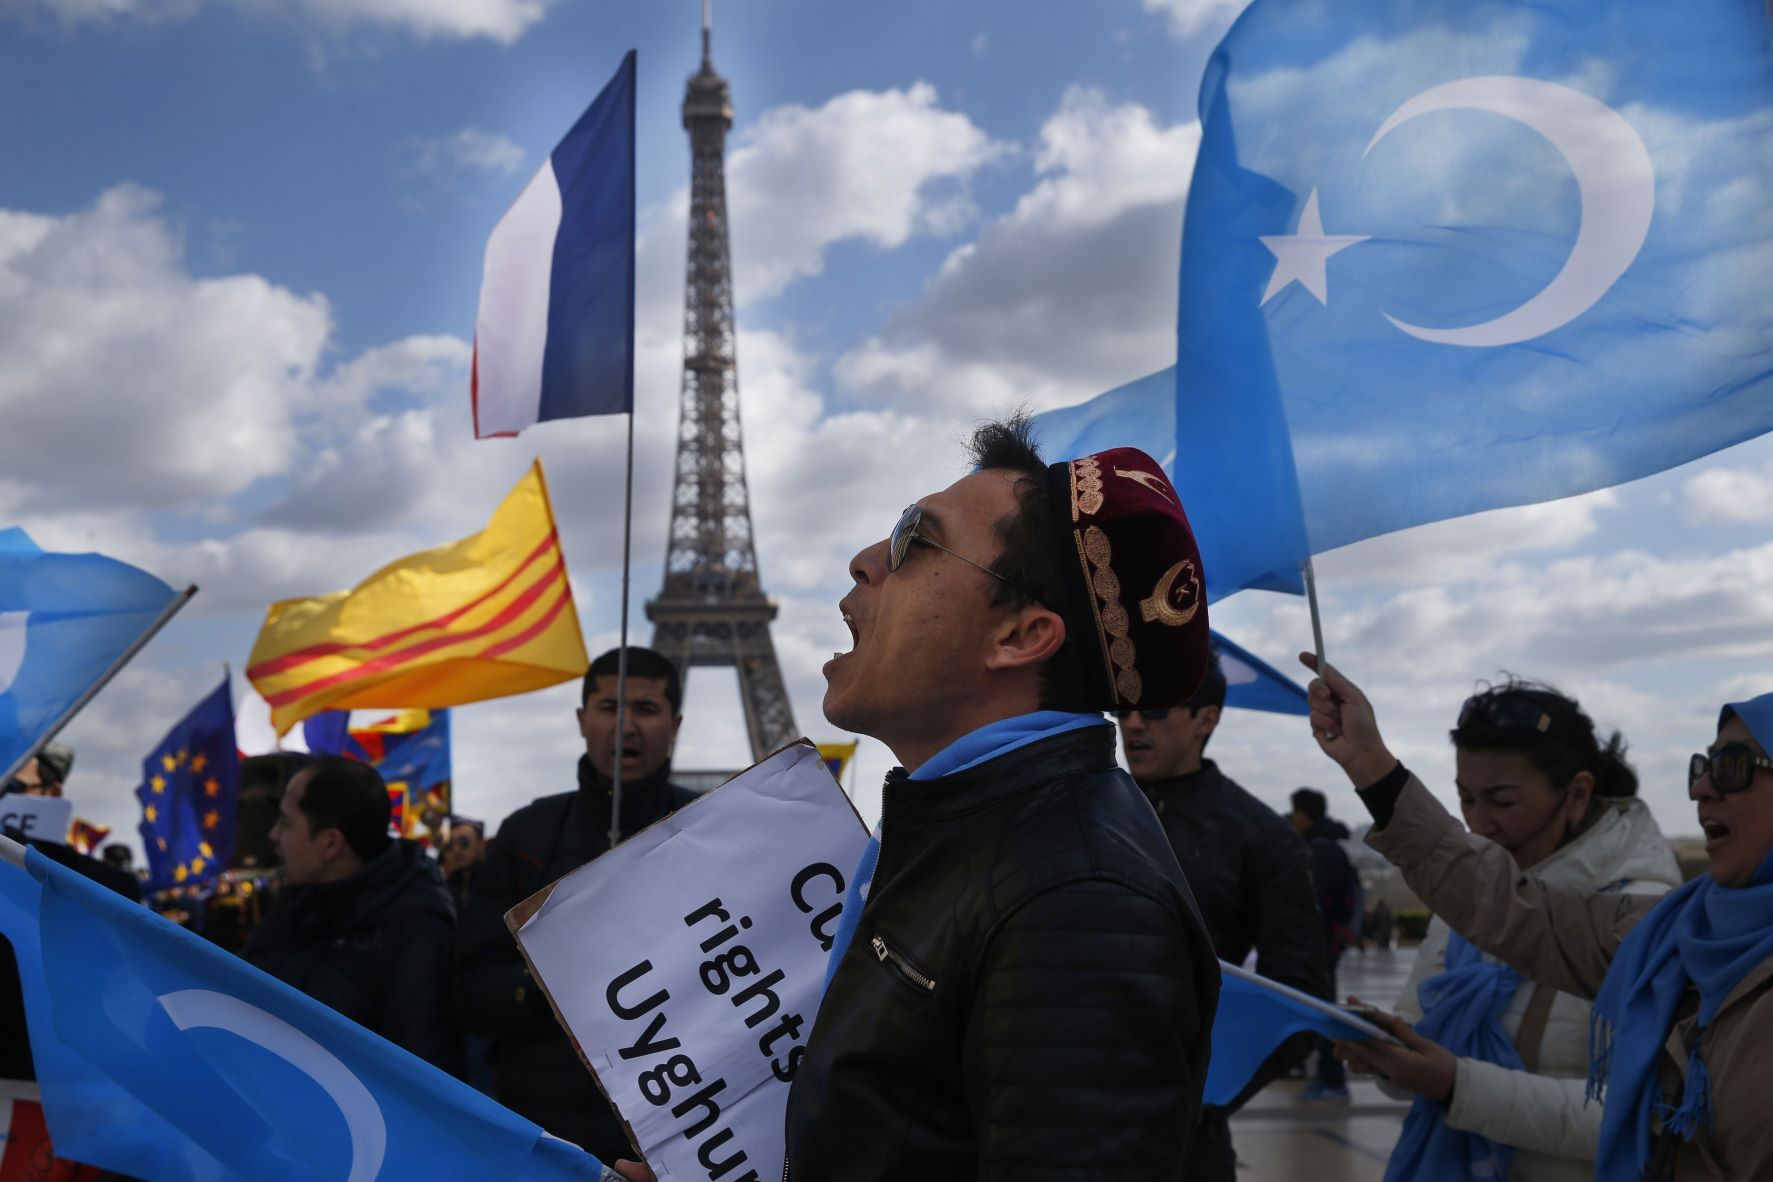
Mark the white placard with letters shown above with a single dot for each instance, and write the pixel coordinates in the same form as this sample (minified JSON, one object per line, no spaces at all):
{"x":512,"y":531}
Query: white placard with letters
{"x":688,"y":962}
{"x":41,"y":818}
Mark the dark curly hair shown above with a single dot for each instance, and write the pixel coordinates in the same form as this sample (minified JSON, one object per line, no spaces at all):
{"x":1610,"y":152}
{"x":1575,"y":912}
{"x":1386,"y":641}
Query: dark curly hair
{"x":1566,"y":747}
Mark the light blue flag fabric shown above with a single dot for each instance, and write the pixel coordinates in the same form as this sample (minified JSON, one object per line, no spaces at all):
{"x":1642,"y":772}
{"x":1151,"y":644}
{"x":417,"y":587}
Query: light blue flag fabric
{"x":1232,"y":469}
{"x":64,"y":618}
{"x":1253,"y":684}
{"x":1255,"y":1017}
{"x":233,"y":1064}
{"x":1478,"y":254}
{"x":91,"y":1119}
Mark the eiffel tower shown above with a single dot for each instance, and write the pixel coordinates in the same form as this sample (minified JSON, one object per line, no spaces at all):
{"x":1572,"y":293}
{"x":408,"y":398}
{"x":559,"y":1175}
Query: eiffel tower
{"x":712,"y":609}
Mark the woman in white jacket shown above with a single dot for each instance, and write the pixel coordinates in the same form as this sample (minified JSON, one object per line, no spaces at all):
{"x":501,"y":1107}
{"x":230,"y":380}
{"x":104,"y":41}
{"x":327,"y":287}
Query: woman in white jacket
{"x":1532,"y":777}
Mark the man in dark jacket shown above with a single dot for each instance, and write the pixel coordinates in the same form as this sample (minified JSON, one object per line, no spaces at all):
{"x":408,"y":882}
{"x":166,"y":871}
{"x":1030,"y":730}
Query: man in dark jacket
{"x":1027,"y":989}
{"x":1250,"y":874}
{"x":363,"y":922}
{"x":1338,"y":887}
{"x":537,"y":1072}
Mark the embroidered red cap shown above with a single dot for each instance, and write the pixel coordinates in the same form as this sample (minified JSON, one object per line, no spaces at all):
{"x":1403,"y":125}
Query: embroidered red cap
{"x":1135,"y":596}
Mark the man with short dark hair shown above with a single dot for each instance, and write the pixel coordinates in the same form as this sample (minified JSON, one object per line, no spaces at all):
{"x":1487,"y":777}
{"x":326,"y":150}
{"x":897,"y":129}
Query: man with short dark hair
{"x":538,"y":1073}
{"x":1339,"y":895}
{"x":362,"y":922}
{"x":1250,"y":874}
{"x":1021,"y":985}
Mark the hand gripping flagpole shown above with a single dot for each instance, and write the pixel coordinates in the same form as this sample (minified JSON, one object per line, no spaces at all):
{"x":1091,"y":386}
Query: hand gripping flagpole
{"x":116,"y":667}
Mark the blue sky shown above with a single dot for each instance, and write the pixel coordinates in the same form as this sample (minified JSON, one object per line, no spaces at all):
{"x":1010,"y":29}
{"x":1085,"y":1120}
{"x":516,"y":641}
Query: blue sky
{"x":240,"y":244}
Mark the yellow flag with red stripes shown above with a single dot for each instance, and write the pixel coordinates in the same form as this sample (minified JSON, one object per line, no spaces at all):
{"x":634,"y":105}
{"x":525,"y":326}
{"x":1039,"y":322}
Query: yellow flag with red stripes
{"x":488,"y":616}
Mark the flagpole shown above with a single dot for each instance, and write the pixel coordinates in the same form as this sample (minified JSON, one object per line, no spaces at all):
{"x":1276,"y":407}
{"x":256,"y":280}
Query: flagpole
{"x":160,"y":621}
{"x":12,"y":852}
{"x":1317,"y":621}
{"x":615,"y":796}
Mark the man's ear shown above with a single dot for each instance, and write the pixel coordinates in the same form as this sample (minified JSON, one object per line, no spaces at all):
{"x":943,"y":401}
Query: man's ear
{"x":1029,"y":637}
{"x":332,"y":842}
{"x":1208,"y":719}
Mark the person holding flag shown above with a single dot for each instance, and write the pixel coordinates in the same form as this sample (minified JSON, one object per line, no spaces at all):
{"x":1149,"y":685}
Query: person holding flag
{"x":1681,"y":1034}
{"x":1536,"y":779}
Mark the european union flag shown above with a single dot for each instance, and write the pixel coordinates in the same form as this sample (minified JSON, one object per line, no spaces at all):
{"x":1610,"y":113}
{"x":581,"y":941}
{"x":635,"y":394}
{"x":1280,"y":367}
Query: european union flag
{"x":64,"y":620}
{"x":213,"y":1069}
{"x":1443,"y":256}
{"x":190,"y":791}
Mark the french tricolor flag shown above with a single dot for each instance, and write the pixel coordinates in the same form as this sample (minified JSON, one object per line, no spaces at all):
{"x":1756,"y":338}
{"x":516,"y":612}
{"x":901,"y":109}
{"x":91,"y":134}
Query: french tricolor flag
{"x":554,"y":336}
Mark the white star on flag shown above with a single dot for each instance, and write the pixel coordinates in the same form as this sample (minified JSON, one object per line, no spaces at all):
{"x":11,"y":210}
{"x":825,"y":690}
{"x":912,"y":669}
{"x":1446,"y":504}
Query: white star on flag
{"x":1301,"y":255}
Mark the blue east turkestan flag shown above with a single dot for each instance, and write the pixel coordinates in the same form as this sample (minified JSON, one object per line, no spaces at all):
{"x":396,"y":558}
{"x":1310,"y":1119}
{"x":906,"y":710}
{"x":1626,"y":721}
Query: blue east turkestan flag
{"x":161,"y":1056}
{"x":554,"y":335}
{"x":189,"y":794}
{"x":1253,"y":684}
{"x":1255,"y":1016}
{"x":1442,"y":256}
{"x":64,"y":618}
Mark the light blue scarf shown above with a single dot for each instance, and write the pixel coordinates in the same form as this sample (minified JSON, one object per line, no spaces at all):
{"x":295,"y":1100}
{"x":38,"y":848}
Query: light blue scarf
{"x":1462,"y":1010}
{"x":1701,"y":935}
{"x":969,"y":751}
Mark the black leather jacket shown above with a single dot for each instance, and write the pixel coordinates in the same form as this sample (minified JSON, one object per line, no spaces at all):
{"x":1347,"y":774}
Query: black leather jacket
{"x":1030,"y":991}
{"x":537,"y":1073}
{"x":1250,"y":873}
{"x":1251,"y":877}
{"x":375,"y":947}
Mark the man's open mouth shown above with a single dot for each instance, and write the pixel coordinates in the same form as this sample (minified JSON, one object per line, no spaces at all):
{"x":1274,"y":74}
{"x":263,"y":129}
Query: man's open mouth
{"x":849,"y":622}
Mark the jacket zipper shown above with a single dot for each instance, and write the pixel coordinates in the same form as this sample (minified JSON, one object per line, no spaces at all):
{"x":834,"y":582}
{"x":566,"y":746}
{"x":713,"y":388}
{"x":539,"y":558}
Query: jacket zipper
{"x":885,"y":952}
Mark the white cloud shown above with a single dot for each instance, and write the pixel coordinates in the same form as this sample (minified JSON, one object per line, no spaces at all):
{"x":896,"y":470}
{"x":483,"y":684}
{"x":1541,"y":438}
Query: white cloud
{"x":469,"y":150}
{"x":135,"y":383}
{"x":1741,"y":495}
{"x":1190,"y":18}
{"x":876,"y":166}
{"x":503,"y":21}
{"x":1069,"y":293}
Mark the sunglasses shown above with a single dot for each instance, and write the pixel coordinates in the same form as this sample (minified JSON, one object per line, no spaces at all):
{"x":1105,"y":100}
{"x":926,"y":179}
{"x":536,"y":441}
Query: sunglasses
{"x":906,"y":533}
{"x":1147,"y":715}
{"x":1731,"y":767}
{"x":1505,"y":712}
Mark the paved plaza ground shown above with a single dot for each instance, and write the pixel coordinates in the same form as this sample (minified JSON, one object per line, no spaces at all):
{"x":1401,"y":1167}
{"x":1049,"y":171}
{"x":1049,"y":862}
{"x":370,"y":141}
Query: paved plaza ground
{"x":1280,"y":1137}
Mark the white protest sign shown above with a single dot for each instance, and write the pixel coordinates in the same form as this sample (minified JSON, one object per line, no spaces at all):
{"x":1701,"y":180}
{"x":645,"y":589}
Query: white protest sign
{"x":687,"y":963}
{"x":42,"y":818}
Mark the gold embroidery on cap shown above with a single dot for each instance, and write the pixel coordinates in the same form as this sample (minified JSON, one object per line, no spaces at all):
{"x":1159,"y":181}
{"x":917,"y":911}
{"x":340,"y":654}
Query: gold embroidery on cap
{"x":1186,"y":596}
{"x":1112,"y":622}
{"x":1086,"y":487}
{"x":1150,"y":480}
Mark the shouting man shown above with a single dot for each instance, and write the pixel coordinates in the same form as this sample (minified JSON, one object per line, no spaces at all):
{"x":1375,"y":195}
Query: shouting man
{"x":537,"y":1072}
{"x":1021,"y":985}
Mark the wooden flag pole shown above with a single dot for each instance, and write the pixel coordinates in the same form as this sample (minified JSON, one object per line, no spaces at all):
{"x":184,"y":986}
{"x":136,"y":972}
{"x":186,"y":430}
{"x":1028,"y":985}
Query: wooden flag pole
{"x":160,"y":621}
{"x":615,"y":796}
{"x":1317,"y":621}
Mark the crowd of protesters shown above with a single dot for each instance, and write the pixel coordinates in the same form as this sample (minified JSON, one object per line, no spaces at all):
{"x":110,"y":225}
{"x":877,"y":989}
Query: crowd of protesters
{"x":1566,"y":961}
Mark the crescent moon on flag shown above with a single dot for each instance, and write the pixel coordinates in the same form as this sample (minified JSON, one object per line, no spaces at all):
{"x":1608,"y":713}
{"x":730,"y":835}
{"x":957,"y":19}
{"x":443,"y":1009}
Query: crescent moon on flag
{"x":1614,"y":176}
{"x":196,"y":1009}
